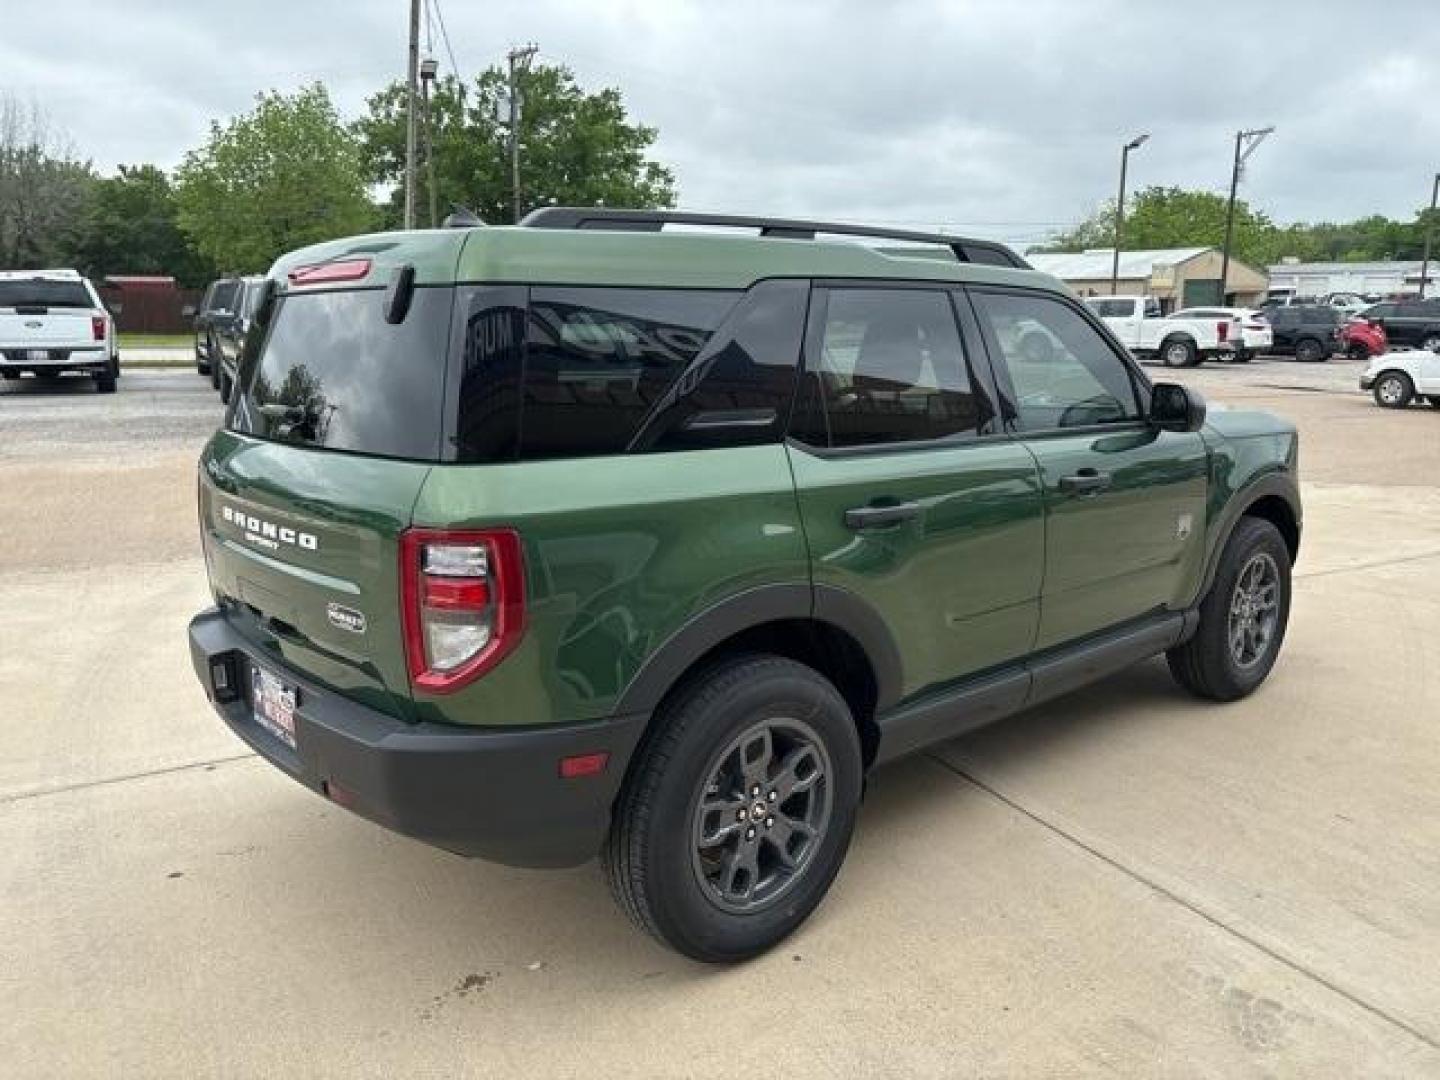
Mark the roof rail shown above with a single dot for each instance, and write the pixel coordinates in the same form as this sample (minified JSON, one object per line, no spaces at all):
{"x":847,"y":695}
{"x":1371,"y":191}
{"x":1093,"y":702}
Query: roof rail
{"x":965,"y":249}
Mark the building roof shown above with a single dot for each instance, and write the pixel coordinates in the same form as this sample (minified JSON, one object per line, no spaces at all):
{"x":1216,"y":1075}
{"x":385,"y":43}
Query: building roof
{"x":149,"y":281}
{"x":1095,"y":264}
{"x":1406,"y":266}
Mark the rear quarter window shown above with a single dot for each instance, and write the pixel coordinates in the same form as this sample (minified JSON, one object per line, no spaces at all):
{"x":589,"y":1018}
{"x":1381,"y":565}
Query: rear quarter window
{"x":330,"y":372}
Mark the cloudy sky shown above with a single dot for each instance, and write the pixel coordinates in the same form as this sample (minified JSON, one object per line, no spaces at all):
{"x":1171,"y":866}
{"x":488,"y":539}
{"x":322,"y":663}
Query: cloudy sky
{"x":1002,"y":119}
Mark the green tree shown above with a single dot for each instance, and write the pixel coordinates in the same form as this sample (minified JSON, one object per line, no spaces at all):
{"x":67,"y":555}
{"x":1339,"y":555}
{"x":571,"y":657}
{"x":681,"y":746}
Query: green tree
{"x":284,"y":175}
{"x":1171,"y":217}
{"x":576,"y":148}
{"x":130,"y":227}
{"x":43,"y":190}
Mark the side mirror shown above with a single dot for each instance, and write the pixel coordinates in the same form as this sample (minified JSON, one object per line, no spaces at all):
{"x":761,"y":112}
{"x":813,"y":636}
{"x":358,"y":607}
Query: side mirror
{"x":1176,"y":408}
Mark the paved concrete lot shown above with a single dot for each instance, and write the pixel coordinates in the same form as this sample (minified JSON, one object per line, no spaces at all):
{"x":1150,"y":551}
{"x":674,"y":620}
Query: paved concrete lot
{"x":1126,"y":882}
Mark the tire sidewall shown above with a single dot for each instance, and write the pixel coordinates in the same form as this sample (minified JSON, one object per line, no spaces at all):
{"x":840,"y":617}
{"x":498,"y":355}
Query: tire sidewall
{"x":1250,"y":537}
{"x":1178,"y":361}
{"x":682,"y":911}
{"x":1406,"y":387}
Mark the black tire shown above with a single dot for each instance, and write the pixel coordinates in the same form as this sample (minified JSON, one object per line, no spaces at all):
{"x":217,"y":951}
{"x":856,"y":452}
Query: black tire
{"x":1393,"y":390}
{"x":1179,"y":352}
{"x":1431,"y":342}
{"x":1209,"y":665}
{"x":105,"y":380}
{"x":1244,"y":356}
{"x":654,"y":858}
{"x":1357,"y":351}
{"x":1309,"y":351}
{"x":226,"y":387}
{"x":202,"y":367}
{"x":215,"y":371}
{"x":1434,"y":400}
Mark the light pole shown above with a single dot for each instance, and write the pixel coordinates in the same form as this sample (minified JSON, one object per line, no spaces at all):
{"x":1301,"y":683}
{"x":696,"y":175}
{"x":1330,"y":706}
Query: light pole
{"x":519,"y":60}
{"x":1245,"y":144}
{"x":428,"y":67}
{"x":1429,"y":235}
{"x":411,"y":78}
{"x":1133,"y":144}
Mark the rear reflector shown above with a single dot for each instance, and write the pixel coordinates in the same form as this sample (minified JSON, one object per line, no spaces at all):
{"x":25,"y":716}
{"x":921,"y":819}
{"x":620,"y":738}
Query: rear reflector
{"x":320,"y":273}
{"x":584,"y":765}
{"x":463,"y":603}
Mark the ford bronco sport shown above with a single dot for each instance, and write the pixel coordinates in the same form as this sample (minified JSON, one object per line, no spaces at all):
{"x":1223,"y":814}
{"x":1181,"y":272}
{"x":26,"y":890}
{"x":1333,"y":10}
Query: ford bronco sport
{"x":592,"y":535}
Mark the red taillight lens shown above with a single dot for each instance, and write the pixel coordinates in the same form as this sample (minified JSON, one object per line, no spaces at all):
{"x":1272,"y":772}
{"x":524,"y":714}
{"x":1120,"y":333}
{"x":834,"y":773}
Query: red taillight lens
{"x":463,"y":603}
{"x":1223,"y":330}
{"x":97,"y":327}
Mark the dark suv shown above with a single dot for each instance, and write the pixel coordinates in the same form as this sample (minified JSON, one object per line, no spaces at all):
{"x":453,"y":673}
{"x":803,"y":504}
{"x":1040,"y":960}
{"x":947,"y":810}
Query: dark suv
{"x":1409,"y":323}
{"x":216,"y":308}
{"x":1309,"y":332}
{"x":590,"y":536}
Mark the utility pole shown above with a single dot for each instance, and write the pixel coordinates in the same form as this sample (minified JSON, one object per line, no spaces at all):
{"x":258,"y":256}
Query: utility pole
{"x":1429,"y":236}
{"x":1133,"y":144}
{"x":428,"y":67}
{"x":412,"y":78}
{"x":1245,"y":144}
{"x":519,"y":60}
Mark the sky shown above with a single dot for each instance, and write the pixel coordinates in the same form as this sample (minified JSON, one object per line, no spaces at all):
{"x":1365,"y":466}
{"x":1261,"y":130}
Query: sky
{"x":996,"y":119}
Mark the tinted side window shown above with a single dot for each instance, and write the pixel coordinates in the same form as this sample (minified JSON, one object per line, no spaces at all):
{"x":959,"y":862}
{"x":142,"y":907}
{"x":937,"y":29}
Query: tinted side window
{"x":488,"y":346}
{"x":224,"y":296}
{"x":737,"y":391}
{"x":1063,"y":372}
{"x":890,"y":368}
{"x":1113,"y":309}
{"x":599,"y":361}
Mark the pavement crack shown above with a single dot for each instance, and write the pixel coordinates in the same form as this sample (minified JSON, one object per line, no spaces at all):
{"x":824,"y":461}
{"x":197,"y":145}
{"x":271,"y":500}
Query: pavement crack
{"x":124,"y":778}
{"x":1189,"y":905}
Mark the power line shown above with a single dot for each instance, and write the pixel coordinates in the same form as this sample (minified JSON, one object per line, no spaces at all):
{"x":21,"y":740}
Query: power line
{"x":445,"y":37}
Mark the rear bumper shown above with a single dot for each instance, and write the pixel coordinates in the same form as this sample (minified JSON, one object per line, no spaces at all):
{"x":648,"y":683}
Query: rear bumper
{"x":492,"y":793}
{"x":54,"y":358}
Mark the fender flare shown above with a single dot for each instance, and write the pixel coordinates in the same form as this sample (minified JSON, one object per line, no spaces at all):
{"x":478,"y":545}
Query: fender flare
{"x":754,"y":607}
{"x":1281,"y":484}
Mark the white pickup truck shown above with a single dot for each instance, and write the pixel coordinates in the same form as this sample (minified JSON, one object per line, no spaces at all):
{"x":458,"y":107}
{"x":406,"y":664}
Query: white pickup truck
{"x":51,"y":322}
{"x":1137,"y":322}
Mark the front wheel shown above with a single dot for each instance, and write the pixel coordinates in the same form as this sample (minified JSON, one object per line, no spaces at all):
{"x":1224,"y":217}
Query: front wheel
{"x":1242,"y":618}
{"x":738,"y":809}
{"x":1394,"y":390}
{"x":1179,"y":352}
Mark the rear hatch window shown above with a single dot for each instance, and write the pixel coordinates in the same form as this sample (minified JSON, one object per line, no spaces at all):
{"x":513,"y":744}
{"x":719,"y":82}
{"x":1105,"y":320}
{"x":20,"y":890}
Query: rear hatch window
{"x":40,"y":293}
{"x":330,"y":373}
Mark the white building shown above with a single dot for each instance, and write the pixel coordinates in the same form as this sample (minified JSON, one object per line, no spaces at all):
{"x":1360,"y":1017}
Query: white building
{"x":1379,"y":279}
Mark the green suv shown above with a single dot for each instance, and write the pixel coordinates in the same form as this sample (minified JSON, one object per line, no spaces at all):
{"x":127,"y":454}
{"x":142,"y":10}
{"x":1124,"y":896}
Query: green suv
{"x":596,"y":535}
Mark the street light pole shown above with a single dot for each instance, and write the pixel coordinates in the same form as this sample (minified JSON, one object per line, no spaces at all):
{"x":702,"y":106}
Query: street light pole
{"x":1245,"y":144}
{"x":412,"y":78}
{"x":1133,"y":144}
{"x":428,"y":68}
{"x":1429,"y":235}
{"x":519,"y":61}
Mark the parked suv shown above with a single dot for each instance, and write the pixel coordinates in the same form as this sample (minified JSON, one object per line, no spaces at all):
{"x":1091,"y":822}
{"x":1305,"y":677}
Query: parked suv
{"x":53,"y":322}
{"x":1409,"y":323}
{"x":590,"y":536}
{"x":1309,"y":332}
{"x":230,"y":333}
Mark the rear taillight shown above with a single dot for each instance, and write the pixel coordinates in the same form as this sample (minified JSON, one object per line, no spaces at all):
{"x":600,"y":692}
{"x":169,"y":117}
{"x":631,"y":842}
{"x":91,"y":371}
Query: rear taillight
{"x":1223,"y":330}
{"x":463,"y":597}
{"x":97,"y":327}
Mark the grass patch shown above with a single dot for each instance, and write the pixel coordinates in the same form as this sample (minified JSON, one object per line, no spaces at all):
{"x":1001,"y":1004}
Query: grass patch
{"x":130,"y":340}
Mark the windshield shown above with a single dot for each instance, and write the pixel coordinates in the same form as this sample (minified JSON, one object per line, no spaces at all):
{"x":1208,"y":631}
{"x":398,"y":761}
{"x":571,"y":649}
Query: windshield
{"x":40,"y":292}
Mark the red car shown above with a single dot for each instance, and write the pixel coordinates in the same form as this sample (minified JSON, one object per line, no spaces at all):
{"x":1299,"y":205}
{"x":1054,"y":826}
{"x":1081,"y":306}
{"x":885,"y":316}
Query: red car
{"x":1361,"y":339}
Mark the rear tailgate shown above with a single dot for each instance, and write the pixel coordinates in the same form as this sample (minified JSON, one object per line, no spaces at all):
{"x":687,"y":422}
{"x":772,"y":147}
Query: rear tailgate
{"x":53,"y":328}
{"x":304,"y":557}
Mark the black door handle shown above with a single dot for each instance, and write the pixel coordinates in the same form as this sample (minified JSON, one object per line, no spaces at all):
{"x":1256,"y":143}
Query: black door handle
{"x":870,"y":517}
{"x":1085,"y":482}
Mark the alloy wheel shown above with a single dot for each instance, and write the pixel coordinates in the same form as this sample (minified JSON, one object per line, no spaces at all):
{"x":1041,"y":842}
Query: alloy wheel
{"x":761,"y":814}
{"x":1254,"y":610}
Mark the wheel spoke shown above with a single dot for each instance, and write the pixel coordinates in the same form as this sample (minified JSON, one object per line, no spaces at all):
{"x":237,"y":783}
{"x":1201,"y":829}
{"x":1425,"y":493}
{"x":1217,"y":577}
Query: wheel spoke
{"x":740,"y":871}
{"x":756,"y":753}
{"x":799,"y":771}
{"x":781,"y":836}
{"x":720,"y":819}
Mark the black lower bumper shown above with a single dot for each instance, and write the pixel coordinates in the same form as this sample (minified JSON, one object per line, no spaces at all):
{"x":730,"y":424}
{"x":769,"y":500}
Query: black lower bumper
{"x":1367,"y":381}
{"x":495,"y":793}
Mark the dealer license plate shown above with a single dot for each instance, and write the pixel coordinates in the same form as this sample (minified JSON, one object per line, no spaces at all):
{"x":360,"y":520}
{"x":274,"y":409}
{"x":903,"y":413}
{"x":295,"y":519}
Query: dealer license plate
{"x":273,"y":703}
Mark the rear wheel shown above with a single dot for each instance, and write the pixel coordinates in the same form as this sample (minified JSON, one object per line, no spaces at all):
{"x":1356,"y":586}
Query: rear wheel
{"x":1179,"y":352}
{"x":105,"y":380}
{"x":738,"y":809}
{"x":226,"y":388}
{"x":1394,"y":390}
{"x":1434,"y":400}
{"x":1431,"y":342}
{"x":1309,"y":351}
{"x":1357,"y":351}
{"x":1242,"y":619}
